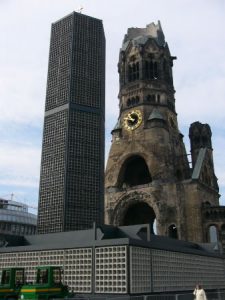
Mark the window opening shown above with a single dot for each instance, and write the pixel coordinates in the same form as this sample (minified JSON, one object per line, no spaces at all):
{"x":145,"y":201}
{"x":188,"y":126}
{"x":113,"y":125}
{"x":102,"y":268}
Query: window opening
{"x":6,"y":277}
{"x":135,"y":172}
{"x":172,"y":232}
{"x":140,"y":213}
{"x":213,"y":234}
{"x":42,"y":276}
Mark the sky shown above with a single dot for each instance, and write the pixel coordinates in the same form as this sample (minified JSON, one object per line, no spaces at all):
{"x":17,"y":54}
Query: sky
{"x":194,"y":30}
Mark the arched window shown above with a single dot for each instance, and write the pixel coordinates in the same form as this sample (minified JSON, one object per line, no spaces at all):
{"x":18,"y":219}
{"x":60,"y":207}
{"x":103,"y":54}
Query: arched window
{"x":204,"y":140}
{"x":133,"y":72}
{"x":196,"y":141}
{"x":133,"y":101}
{"x":155,"y":70}
{"x":223,"y":230}
{"x":134,"y":172}
{"x":151,"y":98}
{"x":129,"y":73}
{"x":212,"y":233}
{"x":207,"y":215}
{"x":207,"y":204}
{"x":139,"y":213}
{"x":158,"y":98}
{"x":167,"y":71}
{"x":179,"y":174}
{"x":172,"y":232}
{"x":164,"y":65}
{"x":151,"y":70}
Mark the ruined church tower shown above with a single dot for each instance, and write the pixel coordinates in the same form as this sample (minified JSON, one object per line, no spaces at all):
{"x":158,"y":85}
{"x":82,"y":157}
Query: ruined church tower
{"x":148,"y":176}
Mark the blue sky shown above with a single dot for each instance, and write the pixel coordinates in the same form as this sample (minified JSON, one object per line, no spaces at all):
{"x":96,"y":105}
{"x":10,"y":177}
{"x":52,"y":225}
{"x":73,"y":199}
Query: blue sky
{"x":193,"y":29}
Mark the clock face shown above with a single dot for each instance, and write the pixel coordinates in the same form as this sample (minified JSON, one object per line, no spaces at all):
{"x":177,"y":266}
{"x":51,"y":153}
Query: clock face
{"x":132,"y":120}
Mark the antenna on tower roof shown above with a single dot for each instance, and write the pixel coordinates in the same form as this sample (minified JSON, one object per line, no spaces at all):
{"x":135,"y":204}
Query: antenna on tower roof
{"x":80,"y":9}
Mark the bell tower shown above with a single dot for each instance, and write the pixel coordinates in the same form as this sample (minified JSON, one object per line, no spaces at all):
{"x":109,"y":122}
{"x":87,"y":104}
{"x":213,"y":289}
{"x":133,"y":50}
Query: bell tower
{"x":147,"y":160}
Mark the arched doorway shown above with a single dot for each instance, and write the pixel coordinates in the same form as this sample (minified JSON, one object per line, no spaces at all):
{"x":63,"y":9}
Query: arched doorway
{"x":172,"y":231}
{"x":134,"y":172}
{"x":139,"y":213}
{"x":212,"y":234}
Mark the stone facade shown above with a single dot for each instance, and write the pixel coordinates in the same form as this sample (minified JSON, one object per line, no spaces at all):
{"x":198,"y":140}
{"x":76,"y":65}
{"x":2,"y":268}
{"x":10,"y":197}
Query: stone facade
{"x":149,"y":177}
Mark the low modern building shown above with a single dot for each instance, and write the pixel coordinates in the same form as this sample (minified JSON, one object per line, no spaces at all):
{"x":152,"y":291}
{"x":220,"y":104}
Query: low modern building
{"x":15,"y":219}
{"x":124,"y":260}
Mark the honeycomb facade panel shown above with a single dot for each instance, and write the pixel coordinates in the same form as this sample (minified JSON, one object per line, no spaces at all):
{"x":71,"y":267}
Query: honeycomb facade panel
{"x":76,"y":263}
{"x":111,"y":274}
{"x":179,"y":271}
{"x":140,"y":270}
{"x":78,"y":270}
{"x":72,"y":167}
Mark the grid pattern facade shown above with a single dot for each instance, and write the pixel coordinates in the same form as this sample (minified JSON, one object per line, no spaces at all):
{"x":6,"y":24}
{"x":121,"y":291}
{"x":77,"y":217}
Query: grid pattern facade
{"x":72,"y":168}
{"x":29,"y":260}
{"x":178,"y":271}
{"x":111,"y":270}
{"x":17,"y":229}
{"x":169,"y":271}
{"x":76,"y":263}
{"x":87,"y":76}
{"x":58,"y":84}
{"x":84,"y":166}
{"x":140,"y":270}
{"x":78,"y":270}
{"x":52,"y":180}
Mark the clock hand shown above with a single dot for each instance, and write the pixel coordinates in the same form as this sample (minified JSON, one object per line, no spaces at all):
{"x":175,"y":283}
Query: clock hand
{"x":130,"y":118}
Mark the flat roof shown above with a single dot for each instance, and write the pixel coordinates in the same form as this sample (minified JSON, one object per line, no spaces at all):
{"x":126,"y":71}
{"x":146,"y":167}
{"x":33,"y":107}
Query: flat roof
{"x":105,"y":235}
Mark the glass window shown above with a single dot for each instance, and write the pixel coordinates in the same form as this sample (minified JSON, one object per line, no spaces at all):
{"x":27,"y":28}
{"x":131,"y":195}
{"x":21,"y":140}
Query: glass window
{"x":213,"y":234}
{"x":6,"y":277}
{"x":42,"y":276}
{"x":19,"y":278}
{"x":13,"y":228}
{"x":57,"y":275}
{"x":22,"y":229}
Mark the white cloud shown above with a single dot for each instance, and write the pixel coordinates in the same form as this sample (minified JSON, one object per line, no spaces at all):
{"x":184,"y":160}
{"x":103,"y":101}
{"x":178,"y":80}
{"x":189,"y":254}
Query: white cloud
{"x":19,"y":181}
{"x":202,"y":100}
{"x":23,"y":102}
{"x":19,"y":165}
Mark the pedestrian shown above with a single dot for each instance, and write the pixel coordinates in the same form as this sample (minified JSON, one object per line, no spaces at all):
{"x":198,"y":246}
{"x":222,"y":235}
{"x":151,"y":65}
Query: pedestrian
{"x":199,"y":293}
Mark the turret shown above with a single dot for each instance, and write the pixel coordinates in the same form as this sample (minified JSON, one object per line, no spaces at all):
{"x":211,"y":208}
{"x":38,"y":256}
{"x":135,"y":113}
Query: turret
{"x":202,"y":154}
{"x":200,"y":137}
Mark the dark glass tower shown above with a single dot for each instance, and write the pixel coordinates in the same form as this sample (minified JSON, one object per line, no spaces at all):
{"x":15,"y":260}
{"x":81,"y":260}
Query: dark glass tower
{"x":72,"y":167}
